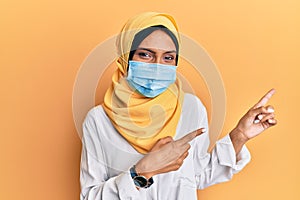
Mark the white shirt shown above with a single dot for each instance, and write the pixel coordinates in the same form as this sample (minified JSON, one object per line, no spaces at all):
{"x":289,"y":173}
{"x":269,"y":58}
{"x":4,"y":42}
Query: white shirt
{"x":107,"y":157}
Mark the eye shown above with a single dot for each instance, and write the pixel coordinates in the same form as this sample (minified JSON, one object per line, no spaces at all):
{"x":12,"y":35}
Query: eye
{"x":144,"y":55}
{"x":169,"y":58}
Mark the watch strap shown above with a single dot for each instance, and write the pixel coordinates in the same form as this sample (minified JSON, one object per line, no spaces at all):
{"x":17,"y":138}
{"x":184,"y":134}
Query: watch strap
{"x":140,"y":181}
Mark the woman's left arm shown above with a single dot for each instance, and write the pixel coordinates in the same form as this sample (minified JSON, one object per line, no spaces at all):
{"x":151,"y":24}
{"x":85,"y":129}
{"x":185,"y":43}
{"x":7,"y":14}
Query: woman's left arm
{"x":258,"y":118}
{"x":230,"y":155}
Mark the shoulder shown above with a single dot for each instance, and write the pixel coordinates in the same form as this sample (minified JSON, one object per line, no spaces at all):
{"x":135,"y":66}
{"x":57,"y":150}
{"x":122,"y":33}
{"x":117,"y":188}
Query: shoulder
{"x":94,"y":121}
{"x":192,"y":105}
{"x":92,"y":113}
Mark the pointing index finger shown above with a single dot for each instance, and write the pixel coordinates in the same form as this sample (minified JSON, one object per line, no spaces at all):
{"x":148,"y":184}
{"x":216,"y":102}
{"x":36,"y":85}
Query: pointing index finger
{"x":265,"y":99}
{"x":189,"y":137}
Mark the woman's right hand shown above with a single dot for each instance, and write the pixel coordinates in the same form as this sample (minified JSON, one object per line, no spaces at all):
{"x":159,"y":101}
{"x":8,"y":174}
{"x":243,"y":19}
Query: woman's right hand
{"x":166,"y":155}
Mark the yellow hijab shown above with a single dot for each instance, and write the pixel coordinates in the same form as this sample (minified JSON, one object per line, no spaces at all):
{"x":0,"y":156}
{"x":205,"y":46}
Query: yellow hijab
{"x":141,"y":120}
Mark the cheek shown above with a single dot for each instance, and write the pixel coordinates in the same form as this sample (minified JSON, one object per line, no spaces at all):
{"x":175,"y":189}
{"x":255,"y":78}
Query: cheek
{"x":173,"y":62}
{"x":169,"y":62}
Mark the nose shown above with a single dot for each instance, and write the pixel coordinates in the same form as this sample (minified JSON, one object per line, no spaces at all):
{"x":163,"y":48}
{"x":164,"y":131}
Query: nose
{"x":158,"y":59}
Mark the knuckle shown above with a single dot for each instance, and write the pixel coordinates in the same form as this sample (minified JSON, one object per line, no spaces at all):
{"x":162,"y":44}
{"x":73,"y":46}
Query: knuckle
{"x":179,"y":162}
{"x":168,"y":138}
{"x":159,"y":140}
{"x":268,"y":116}
{"x":188,"y":146}
{"x":165,"y":139}
{"x":177,"y":166}
{"x":186,"y":155}
{"x":263,"y":110}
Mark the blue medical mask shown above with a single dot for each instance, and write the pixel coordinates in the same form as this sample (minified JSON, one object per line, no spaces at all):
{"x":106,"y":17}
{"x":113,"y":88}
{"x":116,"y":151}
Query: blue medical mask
{"x":150,"y":79}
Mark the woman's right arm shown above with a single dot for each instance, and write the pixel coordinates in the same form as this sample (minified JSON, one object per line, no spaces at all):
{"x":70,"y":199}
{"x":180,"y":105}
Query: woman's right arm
{"x":94,"y":180}
{"x":165,"y":156}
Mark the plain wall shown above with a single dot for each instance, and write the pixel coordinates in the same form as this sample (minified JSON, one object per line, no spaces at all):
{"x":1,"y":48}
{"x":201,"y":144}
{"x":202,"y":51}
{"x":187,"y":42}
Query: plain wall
{"x":255,"y":45}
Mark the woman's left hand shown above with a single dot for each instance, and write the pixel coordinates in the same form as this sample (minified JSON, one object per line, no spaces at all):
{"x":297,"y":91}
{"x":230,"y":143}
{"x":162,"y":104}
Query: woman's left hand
{"x":258,"y":118}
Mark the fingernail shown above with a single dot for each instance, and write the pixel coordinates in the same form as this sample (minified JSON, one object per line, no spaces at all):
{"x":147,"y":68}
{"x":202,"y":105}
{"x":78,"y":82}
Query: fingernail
{"x":256,"y":121}
{"x":270,"y":110}
{"x":259,"y":117}
{"x":203,"y":130}
{"x":270,"y":121}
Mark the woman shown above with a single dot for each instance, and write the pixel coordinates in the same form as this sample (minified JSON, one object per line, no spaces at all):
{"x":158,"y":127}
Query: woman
{"x":149,"y":139}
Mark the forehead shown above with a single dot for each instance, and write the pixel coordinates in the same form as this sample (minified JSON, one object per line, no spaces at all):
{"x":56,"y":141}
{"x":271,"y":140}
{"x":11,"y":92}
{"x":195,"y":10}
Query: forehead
{"x":159,"y":40}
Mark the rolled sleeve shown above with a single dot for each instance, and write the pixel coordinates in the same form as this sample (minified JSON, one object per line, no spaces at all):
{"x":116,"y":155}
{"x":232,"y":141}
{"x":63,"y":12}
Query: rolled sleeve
{"x":220,"y":164}
{"x":227,"y":156}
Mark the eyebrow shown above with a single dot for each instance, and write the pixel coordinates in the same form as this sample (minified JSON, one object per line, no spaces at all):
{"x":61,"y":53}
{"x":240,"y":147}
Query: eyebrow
{"x":172,"y":51}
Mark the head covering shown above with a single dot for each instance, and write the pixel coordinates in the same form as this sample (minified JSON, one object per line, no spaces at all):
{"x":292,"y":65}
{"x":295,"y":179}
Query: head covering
{"x":141,"y":120}
{"x":135,"y":25}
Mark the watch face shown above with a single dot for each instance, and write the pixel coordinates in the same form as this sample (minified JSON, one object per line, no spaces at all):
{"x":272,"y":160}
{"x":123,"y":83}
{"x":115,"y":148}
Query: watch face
{"x":140,"y":181}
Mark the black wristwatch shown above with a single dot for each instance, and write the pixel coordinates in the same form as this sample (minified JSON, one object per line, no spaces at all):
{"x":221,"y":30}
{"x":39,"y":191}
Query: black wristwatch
{"x":140,"y":181}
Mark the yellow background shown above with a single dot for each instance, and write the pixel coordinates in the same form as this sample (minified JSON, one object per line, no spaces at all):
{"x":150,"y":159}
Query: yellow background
{"x":255,"y":45}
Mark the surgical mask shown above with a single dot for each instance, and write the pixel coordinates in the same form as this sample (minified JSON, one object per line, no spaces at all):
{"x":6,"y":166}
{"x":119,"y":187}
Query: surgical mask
{"x":150,"y":79}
